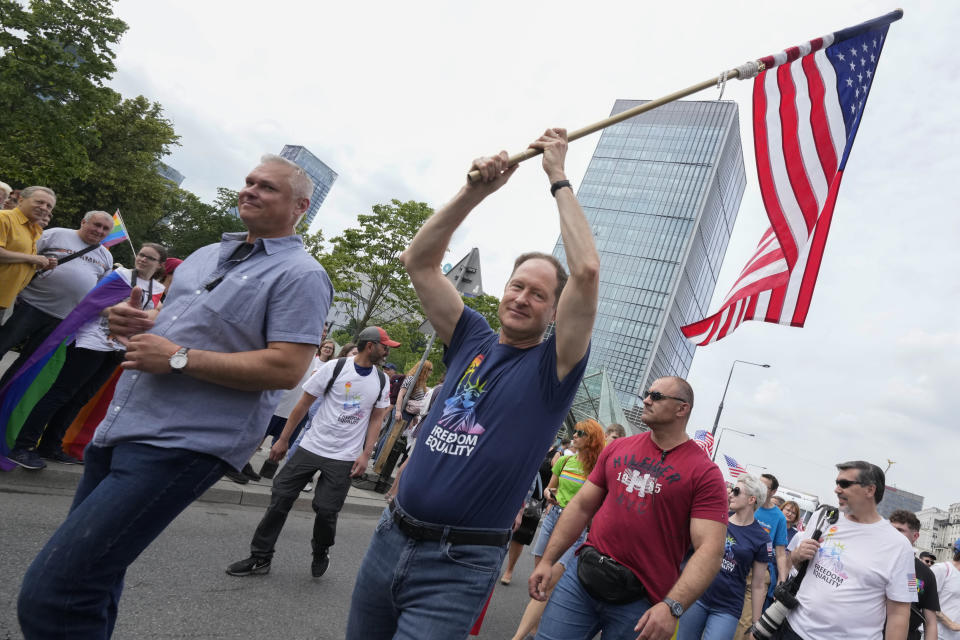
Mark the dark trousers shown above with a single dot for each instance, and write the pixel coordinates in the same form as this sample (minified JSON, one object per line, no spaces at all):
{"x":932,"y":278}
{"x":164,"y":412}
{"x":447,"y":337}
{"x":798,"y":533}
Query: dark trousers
{"x":27,"y":324}
{"x":84,"y":372}
{"x":127,"y":496}
{"x":328,"y":498}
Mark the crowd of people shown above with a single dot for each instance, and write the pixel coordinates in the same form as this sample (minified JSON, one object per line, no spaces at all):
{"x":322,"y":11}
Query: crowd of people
{"x":639,"y":535}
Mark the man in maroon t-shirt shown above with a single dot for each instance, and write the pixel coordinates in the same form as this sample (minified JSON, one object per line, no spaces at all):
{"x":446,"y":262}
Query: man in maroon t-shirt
{"x":650,"y":497}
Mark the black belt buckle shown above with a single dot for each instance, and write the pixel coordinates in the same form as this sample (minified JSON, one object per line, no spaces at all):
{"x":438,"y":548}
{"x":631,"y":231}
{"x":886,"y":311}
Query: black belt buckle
{"x":434,"y":533}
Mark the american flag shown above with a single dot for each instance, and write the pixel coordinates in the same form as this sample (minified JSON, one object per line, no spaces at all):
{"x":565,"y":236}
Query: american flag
{"x":735,"y":469}
{"x":704,"y":440}
{"x":807,"y":106}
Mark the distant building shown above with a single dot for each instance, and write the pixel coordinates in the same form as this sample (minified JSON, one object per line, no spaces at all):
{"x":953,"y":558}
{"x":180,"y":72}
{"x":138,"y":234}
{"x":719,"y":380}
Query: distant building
{"x":894,"y":499}
{"x":661,"y":195}
{"x":938,"y":530}
{"x":323,"y":176}
{"x":170,"y":173}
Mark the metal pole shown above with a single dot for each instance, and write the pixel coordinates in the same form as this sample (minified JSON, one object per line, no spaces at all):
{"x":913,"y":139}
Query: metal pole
{"x":716,"y":421}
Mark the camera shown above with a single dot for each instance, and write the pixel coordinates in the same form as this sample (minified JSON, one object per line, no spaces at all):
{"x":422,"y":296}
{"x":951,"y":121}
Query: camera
{"x":786,"y":593}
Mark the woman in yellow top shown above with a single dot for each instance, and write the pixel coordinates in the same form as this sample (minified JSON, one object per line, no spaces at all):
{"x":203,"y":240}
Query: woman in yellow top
{"x":569,"y":474}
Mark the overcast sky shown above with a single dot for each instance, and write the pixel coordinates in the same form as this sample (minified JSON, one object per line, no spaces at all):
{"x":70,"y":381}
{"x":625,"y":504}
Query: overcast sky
{"x":399,"y":97}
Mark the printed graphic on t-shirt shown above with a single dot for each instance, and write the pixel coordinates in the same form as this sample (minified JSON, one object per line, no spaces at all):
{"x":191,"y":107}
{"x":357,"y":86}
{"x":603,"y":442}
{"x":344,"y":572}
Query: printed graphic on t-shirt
{"x":829,"y":565}
{"x":729,"y":562}
{"x":913,"y":584}
{"x":352,"y":410}
{"x":456,"y":431}
{"x":642,"y":479}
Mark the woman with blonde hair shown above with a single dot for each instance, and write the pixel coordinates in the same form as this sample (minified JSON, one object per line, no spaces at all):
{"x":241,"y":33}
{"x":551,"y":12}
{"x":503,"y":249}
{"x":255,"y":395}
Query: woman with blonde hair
{"x":416,"y":392}
{"x":715,"y":615}
{"x":569,"y":474}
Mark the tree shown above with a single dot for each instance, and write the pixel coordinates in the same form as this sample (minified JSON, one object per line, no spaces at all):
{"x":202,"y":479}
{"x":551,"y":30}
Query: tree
{"x":364,"y":265}
{"x":54,"y":60}
{"x":190,"y":223}
{"x":487,"y":306}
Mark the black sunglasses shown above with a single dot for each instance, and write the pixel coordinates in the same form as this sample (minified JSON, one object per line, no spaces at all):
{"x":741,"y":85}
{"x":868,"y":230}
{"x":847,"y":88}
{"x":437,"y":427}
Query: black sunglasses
{"x":735,"y":491}
{"x":846,"y":484}
{"x":578,"y":433}
{"x":656,"y":396}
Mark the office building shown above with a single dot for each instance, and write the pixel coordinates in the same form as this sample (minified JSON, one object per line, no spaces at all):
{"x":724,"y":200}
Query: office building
{"x":661,"y":194}
{"x":323,"y":176}
{"x":894,"y":499}
{"x":939,"y":529}
{"x":170,"y":173}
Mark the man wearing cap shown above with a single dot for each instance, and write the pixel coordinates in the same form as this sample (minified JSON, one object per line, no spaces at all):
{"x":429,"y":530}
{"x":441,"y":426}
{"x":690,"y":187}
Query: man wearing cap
{"x":338,"y":445}
{"x":437,"y":551}
{"x":948,"y":588}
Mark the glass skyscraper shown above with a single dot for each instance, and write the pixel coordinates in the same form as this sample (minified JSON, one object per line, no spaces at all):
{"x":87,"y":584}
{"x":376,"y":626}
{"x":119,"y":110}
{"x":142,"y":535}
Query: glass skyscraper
{"x":661,"y":194}
{"x":322,"y":175}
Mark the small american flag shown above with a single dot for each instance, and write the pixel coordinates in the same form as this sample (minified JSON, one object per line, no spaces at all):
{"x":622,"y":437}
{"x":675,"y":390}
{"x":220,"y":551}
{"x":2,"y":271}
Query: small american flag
{"x":911,"y":582}
{"x":807,"y":106}
{"x":735,"y":469}
{"x":704,"y":440}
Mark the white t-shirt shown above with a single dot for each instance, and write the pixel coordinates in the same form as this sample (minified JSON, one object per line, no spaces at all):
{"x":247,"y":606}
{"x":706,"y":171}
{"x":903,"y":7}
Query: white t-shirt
{"x":948,"y":590}
{"x":93,"y":335}
{"x":858,"y":567}
{"x":339,"y":427}
{"x":292,"y":396}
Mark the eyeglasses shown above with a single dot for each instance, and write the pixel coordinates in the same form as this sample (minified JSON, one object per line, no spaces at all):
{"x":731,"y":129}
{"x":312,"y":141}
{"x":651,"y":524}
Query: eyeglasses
{"x":656,"y":396}
{"x":927,"y":561}
{"x":846,"y":484}
{"x":579,"y":434}
{"x":146,"y":257}
{"x":735,"y":491}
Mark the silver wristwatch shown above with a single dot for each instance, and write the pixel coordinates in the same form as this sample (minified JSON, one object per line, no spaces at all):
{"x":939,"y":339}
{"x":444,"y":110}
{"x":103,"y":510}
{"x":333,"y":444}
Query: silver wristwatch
{"x":178,"y":361}
{"x":675,"y":607}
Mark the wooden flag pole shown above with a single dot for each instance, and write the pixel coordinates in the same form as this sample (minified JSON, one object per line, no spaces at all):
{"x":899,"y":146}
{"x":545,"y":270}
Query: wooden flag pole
{"x":526,"y":154}
{"x":123,"y":225}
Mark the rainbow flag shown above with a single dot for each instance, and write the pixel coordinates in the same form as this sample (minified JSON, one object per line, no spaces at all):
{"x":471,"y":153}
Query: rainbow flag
{"x":118,"y":234}
{"x":22,"y":392}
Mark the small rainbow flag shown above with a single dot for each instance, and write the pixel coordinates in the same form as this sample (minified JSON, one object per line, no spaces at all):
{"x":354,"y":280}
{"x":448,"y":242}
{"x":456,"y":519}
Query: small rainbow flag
{"x":118,"y":234}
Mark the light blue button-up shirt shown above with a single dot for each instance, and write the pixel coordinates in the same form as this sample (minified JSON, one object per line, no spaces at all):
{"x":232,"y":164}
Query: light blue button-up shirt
{"x":278,"y":293}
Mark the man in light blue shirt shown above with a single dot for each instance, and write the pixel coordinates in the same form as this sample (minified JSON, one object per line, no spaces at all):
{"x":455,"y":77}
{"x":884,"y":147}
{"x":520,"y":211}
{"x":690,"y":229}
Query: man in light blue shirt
{"x":241,"y":323}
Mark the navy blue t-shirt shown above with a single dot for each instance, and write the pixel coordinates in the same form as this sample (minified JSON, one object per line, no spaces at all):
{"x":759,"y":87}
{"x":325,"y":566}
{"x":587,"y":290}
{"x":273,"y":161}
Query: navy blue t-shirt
{"x":486,"y":435}
{"x":744,"y":546}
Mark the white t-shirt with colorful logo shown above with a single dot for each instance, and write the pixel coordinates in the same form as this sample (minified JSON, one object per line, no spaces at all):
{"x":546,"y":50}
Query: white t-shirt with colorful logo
{"x":340,"y":424}
{"x":845,"y":591}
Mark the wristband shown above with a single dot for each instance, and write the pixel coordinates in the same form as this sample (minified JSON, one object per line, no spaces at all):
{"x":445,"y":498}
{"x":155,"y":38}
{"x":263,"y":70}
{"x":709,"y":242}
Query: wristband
{"x":559,"y":184}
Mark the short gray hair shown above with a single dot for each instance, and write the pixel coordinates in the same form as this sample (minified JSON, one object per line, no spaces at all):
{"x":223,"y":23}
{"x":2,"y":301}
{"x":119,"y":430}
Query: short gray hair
{"x":300,"y":182}
{"x":6,"y":189}
{"x":29,"y":191}
{"x":870,"y":475}
{"x":90,"y":214}
{"x":755,"y":487}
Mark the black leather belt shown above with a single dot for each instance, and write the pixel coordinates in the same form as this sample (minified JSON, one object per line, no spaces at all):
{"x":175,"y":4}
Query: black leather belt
{"x":433,"y":532}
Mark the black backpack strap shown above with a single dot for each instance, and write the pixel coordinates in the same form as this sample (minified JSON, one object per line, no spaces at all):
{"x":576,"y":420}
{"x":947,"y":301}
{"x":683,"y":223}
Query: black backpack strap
{"x":336,"y":373}
{"x":383,"y":383}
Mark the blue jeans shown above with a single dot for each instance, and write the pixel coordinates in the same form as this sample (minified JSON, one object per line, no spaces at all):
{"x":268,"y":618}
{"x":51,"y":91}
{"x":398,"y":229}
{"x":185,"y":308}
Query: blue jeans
{"x":573,"y":614}
{"x":710,"y":624}
{"x":546,"y":529}
{"x":423,"y":590}
{"x":127,"y":496}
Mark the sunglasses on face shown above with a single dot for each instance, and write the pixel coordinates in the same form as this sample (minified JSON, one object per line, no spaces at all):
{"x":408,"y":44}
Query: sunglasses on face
{"x":846,"y":484}
{"x":735,"y":491}
{"x":656,"y":396}
{"x":579,"y":434}
{"x":927,"y":561}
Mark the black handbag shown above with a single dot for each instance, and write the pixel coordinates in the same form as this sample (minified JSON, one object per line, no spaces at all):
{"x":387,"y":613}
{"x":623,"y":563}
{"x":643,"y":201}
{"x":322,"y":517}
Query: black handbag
{"x":533,"y":508}
{"x":606,"y":579}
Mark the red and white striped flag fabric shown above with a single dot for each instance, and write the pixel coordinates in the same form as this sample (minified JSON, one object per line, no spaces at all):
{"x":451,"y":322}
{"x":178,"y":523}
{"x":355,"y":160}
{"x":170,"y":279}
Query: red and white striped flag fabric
{"x":735,"y":469}
{"x":807,"y":106}
{"x":704,"y":440}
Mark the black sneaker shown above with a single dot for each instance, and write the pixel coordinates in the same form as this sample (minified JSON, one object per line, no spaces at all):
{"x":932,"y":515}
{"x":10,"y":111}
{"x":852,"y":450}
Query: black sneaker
{"x":26,"y":459}
{"x":320,"y":563}
{"x":249,"y":567}
{"x":59,"y":456}
{"x":236,"y":476}
{"x":250,"y":473}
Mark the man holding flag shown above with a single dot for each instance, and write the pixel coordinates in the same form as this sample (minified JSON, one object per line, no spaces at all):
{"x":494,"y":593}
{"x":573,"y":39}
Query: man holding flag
{"x":53,"y":294}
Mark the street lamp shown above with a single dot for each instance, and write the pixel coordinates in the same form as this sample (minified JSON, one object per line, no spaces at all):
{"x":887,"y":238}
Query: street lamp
{"x":716,"y":421}
{"x":758,"y":466}
{"x":716,"y":445}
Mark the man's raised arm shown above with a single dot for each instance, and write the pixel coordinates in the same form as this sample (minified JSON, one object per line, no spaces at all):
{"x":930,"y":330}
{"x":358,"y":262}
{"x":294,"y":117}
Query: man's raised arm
{"x":441,"y":302}
{"x":577,"y":306}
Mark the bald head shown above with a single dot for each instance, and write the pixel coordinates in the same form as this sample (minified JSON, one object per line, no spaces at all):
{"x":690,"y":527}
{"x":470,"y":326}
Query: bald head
{"x":680,"y":388}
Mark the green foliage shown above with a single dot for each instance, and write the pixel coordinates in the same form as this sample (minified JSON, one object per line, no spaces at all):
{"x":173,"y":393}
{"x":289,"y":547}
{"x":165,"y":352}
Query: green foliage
{"x":190,"y":223}
{"x":364,"y":265}
{"x":54,"y":60}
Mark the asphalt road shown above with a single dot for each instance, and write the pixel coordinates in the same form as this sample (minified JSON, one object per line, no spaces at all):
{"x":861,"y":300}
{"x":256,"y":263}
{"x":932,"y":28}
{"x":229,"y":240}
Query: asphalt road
{"x":178,"y":588}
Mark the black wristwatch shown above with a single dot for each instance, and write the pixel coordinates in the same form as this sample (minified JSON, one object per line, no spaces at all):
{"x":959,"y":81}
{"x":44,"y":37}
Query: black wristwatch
{"x":675,"y":607}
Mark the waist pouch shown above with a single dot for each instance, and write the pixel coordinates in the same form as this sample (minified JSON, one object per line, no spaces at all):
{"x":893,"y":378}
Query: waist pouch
{"x":606,"y":579}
